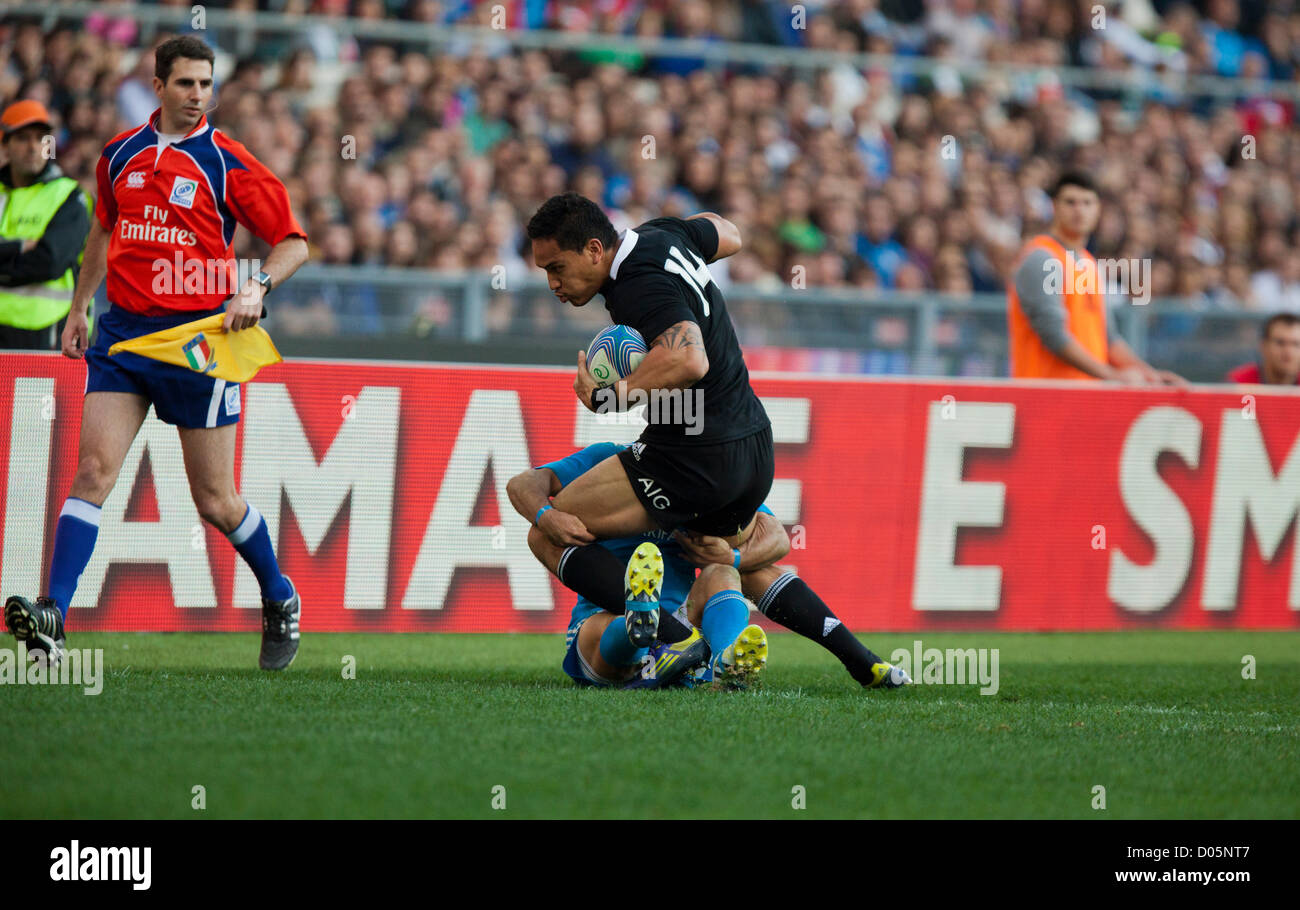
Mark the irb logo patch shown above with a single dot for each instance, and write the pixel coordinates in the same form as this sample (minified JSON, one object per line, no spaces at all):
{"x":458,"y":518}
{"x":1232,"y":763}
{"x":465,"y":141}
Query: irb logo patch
{"x":232,"y":400}
{"x":183,"y":191}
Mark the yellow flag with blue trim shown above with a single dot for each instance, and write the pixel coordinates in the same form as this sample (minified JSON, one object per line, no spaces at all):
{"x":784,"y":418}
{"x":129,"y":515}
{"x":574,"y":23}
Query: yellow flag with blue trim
{"x":205,"y":347}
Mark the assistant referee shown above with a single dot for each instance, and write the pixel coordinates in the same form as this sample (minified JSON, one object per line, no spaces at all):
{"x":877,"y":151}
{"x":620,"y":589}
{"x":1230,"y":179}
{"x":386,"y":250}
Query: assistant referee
{"x":171,"y":192}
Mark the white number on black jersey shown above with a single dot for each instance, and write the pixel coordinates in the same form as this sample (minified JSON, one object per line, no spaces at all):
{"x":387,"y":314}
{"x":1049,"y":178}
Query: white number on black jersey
{"x":697,"y":276}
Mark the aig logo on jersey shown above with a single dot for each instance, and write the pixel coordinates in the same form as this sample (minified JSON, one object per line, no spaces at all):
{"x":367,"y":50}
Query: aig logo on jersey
{"x":654,"y":493}
{"x":183,"y":191}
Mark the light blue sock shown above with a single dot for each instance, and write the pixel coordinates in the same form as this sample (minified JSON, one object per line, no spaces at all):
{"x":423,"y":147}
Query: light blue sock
{"x":253,"y":542}
{"x":616,"y":650}
{"x":74,"y":541}
{"x":725,"y":615}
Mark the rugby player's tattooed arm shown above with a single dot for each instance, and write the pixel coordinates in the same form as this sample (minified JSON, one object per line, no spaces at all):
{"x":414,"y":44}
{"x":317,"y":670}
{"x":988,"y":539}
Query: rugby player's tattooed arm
{"x":728,"y":235}
{"x":676,"y":360}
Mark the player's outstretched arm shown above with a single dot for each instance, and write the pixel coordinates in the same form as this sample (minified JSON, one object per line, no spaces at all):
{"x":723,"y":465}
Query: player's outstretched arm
{"x":728,"y":235}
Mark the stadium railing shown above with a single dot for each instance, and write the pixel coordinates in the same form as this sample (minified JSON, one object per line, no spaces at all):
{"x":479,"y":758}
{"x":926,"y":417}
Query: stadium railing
{"x":378,"y":312}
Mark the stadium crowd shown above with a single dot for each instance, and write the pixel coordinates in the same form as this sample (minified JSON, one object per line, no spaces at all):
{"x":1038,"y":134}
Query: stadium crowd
{"x":837,"y":177}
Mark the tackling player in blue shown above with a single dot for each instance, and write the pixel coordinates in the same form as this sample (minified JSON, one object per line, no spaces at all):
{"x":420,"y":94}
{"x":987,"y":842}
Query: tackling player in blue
{"x":713,"y":607}
{"x":659,"y":580}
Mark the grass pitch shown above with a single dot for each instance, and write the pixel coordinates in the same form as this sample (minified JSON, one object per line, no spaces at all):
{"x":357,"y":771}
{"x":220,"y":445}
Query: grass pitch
{"x":433,"y":723}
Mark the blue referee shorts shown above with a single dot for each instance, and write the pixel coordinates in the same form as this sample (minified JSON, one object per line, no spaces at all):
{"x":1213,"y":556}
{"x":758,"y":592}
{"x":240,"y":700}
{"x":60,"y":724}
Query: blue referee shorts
{"x":180,"y":396}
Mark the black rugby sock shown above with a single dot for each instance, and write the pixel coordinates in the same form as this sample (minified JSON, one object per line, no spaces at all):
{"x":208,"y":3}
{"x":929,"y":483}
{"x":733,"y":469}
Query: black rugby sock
{"x":671,"y":631}
{"x":595,"y":573}
{"x":790,"y":602}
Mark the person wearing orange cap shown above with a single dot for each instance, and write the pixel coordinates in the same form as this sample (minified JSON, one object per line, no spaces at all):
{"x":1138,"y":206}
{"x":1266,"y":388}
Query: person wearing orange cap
{"x":44,"y":221}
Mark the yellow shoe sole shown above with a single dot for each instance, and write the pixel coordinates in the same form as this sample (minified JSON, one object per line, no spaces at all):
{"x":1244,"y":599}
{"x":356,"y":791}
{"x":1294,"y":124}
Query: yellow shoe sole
{"x":744,"y":659}
{"x":642,"y":585}
{"x":645,"y":574}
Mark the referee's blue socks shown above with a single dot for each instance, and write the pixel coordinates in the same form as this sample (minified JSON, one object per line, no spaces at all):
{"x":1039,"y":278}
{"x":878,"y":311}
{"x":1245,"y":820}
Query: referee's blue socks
{"x":74,"y":541}
{"x":252,"y":541}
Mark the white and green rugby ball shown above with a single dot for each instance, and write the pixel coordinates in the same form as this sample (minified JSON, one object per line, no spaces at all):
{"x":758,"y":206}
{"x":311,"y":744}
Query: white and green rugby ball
{"x":614,"y":353}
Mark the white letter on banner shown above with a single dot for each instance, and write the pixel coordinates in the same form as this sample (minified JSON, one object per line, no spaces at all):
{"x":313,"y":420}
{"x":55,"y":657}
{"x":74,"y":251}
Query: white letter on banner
{"x":165,"y":540}
{"x":1157,"y":510}
{"x":361,"y":461}
{"x":948,"y":503}
{"x":28,"y":487}
{"x":1245,"y":489}
{"x":491,"y":433}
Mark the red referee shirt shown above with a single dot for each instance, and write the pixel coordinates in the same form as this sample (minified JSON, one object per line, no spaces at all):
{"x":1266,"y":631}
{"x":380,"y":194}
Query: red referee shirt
{"x":1250,"y":373}
{"x":171,"y":216}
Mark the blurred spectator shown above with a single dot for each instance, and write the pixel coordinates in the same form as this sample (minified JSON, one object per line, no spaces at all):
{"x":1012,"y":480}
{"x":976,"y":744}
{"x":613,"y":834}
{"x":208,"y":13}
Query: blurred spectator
{"x":1279,"y":354}
{"x":876,"y":245}
{"x":44,"y":220}
{"x":136,"y":100}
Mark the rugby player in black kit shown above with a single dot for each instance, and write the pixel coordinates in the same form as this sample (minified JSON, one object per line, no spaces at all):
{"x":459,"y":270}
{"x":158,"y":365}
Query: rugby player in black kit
{"x":707,"y":476}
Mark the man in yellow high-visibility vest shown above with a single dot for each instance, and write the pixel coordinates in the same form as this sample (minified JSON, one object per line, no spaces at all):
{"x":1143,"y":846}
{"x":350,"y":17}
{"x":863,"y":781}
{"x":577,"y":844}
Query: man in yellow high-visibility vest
{"x":44,"y":220}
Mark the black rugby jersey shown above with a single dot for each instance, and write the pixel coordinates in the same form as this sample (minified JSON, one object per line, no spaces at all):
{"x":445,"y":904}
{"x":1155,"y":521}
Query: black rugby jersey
{"x":659,"y":278}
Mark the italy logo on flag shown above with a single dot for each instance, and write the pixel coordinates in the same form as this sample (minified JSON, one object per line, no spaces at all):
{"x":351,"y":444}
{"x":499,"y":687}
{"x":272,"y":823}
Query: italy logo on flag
{"x":199,"y":354}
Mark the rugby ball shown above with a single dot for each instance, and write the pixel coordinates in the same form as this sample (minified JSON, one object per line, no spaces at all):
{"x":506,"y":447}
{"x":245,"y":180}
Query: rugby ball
{"x":614,"y":353}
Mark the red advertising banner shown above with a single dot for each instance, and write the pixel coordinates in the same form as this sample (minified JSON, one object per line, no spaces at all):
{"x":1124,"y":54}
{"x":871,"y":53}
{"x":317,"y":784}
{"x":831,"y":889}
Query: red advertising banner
{"x":917,"y":504}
